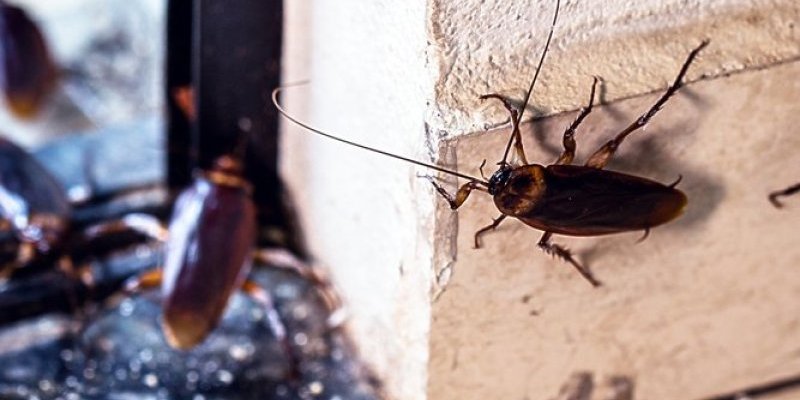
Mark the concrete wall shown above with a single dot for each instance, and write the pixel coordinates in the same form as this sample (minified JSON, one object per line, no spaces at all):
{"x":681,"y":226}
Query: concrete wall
{"x":707,"y":304}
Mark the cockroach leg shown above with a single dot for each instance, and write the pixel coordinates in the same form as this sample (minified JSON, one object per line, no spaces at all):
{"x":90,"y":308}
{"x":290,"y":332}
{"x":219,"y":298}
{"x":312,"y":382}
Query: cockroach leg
{"x":461,"y":195}
{"x":569,"y":135}
{"x":488,"y":228}
{"x":773,"y":197}
{"x":278,"y":258}
{"x":558,"y":251}
{"x":514,"y":125}
{"x":147,"y":280}
{"x":264,"y":299}
{"x":144,"y":224}
{"x":603,"y":155}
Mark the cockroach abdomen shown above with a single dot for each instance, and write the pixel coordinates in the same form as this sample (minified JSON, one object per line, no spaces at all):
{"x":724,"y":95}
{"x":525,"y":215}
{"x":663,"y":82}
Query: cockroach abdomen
{"x":212,"y":234}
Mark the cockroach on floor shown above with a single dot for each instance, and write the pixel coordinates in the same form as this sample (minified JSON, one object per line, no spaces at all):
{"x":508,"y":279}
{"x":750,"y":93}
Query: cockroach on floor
{"x":210,"y":248}
{"x":773,"y":197}
{"x":35,"y":215}
{"x":28,"y":73}
{"x":562,"y":198}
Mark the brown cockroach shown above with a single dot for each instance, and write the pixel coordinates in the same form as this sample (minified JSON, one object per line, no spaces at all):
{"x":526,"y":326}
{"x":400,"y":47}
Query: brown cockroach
{"x":773,"y":197}
{"x":562,"y":198}
{"x":210,"y":248}
{"x":28,"y":73}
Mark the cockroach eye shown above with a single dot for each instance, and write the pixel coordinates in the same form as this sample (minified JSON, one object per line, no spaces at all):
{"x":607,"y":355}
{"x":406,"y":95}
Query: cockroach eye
{"x":499,"y":179}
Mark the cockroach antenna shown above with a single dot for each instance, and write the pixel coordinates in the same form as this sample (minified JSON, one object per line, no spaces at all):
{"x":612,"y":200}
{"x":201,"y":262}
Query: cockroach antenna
{"x":518,"y":118}
{"x":361,"y":146}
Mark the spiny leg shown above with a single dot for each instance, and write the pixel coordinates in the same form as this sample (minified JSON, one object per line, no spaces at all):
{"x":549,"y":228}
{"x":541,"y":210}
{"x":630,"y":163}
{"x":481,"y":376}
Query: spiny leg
{"x":461,"y":195}
{"x":569,"y":135}
{"x":488,"y":228}
{"x":143,"y":224}
{"x":773,"y":197}
{"x":514,"y":125}
{"x":602,"y":156}
{"x":558,"y":251}
{"x":282,"y":259}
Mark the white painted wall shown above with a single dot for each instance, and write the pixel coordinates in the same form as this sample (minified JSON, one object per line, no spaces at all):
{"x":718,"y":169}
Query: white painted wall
{"x":365,"y":216}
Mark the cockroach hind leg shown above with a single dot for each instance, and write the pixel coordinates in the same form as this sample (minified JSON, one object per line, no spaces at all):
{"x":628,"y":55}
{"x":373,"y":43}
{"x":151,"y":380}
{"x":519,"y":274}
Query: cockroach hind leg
{"x":282,"y":259}
{"x":486,"y":229}
{"x":563,"y":253}
{"x":275,"y":322}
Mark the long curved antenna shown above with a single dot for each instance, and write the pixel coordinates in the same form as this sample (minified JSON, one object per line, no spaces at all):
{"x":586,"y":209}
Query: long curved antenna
{"x":361,"y":146}
{"x":533,"y":82}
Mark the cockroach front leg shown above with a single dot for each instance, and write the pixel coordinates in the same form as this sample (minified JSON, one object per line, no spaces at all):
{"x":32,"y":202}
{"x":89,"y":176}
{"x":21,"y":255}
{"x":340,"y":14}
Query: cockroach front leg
{"x":488,"y":228}
{"x":558,"y":251}
{"x":602,"y":156}
{"x":514,"y":125}
{"x":773,"y":197}
{"x":569,"y":135}
{"x":461,"y":195}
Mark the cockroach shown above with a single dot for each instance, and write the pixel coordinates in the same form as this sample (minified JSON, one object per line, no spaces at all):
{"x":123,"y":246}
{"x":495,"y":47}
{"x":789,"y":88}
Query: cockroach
{"x":28,"y":73}
{"x":209,"y":253}
{"x":773,"y":197}
{"x":211,"y":236}
{"x":33,"y":204}
{"x":562,"y":198}
{"x":36,"y":212}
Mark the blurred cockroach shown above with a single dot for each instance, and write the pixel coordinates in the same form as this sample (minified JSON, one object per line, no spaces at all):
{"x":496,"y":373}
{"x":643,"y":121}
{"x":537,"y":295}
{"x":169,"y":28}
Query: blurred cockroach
{"x":210,"y":247}
{"x":27,"y":71}
{"x":211,"y":237}
{"x":773,"y":197}
{"x":563,"y":198}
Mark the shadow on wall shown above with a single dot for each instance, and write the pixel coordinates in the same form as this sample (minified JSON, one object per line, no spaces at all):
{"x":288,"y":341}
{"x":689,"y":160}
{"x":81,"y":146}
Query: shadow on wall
{"x":645,"y":153}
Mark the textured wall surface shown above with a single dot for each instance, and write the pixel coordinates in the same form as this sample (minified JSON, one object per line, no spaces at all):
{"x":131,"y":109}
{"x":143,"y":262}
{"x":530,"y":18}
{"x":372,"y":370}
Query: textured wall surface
{"x":361,"y":212}
{"x":706,"y":305}
{"x":483,"y":46}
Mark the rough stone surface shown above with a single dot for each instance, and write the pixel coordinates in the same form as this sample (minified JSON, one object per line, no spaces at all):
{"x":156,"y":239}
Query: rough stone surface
{"x":707,"y":304}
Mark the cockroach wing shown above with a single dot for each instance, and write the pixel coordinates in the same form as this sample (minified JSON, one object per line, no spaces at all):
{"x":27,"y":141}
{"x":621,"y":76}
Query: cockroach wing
{"x":212,"y":235}
{"x":584,"y":201}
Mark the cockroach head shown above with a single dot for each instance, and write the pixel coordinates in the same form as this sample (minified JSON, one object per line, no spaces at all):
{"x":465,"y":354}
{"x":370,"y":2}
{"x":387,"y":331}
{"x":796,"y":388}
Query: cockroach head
{"x":228,"y":164}
{"x":499,"y":178}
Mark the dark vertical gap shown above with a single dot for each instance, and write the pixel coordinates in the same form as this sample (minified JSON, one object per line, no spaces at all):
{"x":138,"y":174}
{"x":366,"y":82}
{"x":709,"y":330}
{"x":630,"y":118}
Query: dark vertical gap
{"x":178,"y":74}
{"x":237,"y":55}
